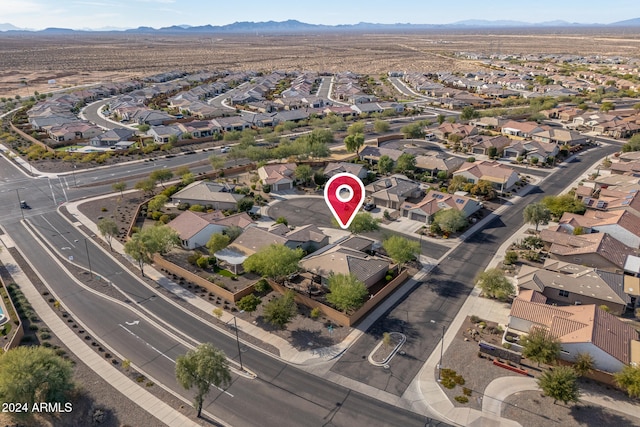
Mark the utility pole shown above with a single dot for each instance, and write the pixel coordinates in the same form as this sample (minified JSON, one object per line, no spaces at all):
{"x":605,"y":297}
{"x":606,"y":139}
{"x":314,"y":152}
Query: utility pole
{"x":20,"y":204}
{"x":86,"y":246}
{"x":235,"y":323}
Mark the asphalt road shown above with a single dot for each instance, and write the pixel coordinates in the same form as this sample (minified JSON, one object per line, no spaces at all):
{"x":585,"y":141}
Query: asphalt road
{"x":302,"y":398}
{"x":441,"y":295}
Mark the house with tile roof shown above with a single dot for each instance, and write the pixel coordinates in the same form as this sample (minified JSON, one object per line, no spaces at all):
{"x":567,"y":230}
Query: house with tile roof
{"x":620,"y":224}
{"x":580,"y":329}
{"x":530,"y":149}
{"x":520,"y":130}
{"x":338,"y":259}
{"x":480,"y":144}
{"x":585,"y":286}
{"x":501,"y":177}
{"x":280,"y":176}
{"x":391,"y":192}
{"x":334,"y":168}
{"x":253,"y":239}
{"x":195,"y":228}
{"x":205,"y":193}
{"x":597,"y":250}
{"x":614,"y":199}
{"x":560,"y":137}
{"x":112,"y":137}
{"x":435,"y":201}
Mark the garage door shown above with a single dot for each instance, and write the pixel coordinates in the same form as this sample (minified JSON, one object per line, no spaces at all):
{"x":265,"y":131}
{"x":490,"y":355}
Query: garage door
{"x":421,"y":218}
{"x":283,"y":187}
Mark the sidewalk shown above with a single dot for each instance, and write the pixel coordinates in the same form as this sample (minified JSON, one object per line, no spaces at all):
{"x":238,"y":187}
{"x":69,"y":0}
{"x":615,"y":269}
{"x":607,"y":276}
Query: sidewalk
{"x":100,"y":366}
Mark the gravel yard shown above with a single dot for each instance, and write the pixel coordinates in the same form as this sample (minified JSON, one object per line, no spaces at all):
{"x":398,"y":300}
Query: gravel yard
{"x":529,"y":408}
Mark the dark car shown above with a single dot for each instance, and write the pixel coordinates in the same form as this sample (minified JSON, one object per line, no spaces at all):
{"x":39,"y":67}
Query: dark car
{"x":24,"y":205}
{"x":369,"y":206}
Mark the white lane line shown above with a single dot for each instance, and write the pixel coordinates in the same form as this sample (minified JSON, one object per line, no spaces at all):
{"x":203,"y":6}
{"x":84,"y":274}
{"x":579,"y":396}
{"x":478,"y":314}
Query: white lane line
{"x":57,"y":231}
{"x":161,"y":353}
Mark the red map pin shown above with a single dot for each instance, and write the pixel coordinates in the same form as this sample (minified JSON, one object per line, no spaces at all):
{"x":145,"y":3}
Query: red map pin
{"x":344,"y":194}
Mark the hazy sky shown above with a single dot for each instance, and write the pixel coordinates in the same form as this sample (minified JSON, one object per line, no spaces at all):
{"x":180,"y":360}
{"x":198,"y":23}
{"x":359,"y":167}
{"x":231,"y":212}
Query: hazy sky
{"x":95,"y":14}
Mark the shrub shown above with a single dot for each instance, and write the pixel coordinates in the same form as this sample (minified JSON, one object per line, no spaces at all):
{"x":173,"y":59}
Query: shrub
{"x":203,"y":262}
{"x":388,"y":277}
{"x":466,"y":391}
{"x":462,"y":399}
{"x":510,"y":257}
{"x":506,"y":345}
{"x":315,"y":313}
{"x":475,"y":319}
{"x":262,"y":286}
{"x":482,"y":324}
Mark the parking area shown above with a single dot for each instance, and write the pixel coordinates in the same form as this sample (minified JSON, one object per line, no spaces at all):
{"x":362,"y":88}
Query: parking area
{"x":301,"y":211}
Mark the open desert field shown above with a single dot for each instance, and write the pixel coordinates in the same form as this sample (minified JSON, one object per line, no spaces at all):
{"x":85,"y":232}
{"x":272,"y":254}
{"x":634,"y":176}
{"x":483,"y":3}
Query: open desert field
{"x":29,"y":61}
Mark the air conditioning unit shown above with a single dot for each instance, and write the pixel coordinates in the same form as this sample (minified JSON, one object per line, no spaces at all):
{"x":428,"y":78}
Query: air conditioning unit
{"x":578,"y":303}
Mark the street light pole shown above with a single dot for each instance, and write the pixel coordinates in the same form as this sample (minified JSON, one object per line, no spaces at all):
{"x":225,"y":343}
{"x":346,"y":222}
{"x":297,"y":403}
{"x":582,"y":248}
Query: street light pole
{"x":235,"y":323}
{"x":441,"y":350}
{"x":441,"y":353}
{"x":20,"y":203}
{"x":86,"y":246}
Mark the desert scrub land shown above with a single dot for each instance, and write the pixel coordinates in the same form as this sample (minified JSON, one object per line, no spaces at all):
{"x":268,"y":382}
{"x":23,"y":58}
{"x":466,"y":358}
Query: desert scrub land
{"x":30,"y":60}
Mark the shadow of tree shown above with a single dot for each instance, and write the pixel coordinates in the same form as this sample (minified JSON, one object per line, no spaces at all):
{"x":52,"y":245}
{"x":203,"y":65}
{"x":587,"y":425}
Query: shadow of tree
{"x":300,"y":339}
{"x":593,"y":415}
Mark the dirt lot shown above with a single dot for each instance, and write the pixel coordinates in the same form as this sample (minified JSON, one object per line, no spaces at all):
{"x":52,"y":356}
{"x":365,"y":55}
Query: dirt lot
{"x":73,"y":60}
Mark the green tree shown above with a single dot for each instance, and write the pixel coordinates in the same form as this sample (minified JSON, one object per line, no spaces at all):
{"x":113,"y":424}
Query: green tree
{"x":457,"y":183}
{"x":413,"y":131}
{"x":483,"y":188}
{"x":233,"y":232}
{"x":279,"y":311}
{"x":607,"y":106}
{"x":380,"y":126}
{"x":216,"y":162}
{"x":469,"y":113}
{"x":385,"y":164}
{"x":217,"y":242}
{"x":157,"y":203}
{"x":187,"y":179}
{"x":353,"y":143}
{"x":34,"y":374}
{"x":356,"y":128}
{"x":400,"y":249}
{"x":540,"y":346}
{"x":146,"y":185}
{"x":441,"y":119}
{"x":143,"y":128}
{"x":161,"y":175}
{"x":282,"y":220}
{"x":362,"y":223}
{"x":249,"y":303}
{"x":558,"y":205}
{"x":450,"y":220}
{"x":200,"y":368}
{"x":406,"y":163}
{"x":494,"y":284}
{"x":629,"y":379}
{"x":109,"y":229}
{"x":633,"y":144}
{"x":119,"y":186}
{"x":274,"y":261}
{"x":583,"y":364}
{"x":536,"y":214}
{"x":245,"y":204}
{"x":492,"y":152}
{"x":303,"y":173}
{"x":560,"y":384}
{"x":346,"y":292}
{"x":143,"y":245}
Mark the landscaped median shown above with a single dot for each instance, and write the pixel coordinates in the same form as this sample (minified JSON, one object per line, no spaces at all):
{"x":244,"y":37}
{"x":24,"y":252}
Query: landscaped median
{"x":388,"y":346}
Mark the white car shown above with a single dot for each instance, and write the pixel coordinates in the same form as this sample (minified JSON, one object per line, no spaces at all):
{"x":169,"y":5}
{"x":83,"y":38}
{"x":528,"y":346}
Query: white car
{"x":224,"y":149}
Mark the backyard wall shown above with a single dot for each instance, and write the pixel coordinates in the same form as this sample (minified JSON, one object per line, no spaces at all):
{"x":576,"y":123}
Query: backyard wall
{"x":199,"y":281}
{"x":338,"y":316}
{"x":388,"y":138}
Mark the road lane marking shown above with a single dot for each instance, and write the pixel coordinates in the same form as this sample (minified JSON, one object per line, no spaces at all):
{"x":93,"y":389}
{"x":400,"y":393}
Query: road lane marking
{"x":161,"y":353}
{"x":149,"y":345}
{"x":57,"y":231}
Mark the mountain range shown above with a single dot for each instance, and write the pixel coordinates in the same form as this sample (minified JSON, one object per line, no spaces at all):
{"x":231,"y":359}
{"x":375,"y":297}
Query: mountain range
{"x":293,"y":26}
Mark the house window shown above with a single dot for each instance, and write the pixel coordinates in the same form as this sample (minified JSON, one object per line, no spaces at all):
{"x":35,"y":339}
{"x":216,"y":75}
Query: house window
{"x":563,"y":293}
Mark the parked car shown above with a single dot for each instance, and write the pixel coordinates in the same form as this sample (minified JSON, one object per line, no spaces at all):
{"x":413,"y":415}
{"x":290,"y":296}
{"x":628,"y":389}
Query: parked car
{"x":224,"y":149}
{"x":24,"y":205}
{"x":369,"y":207}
